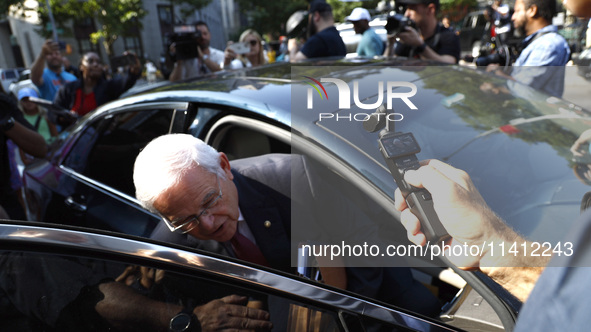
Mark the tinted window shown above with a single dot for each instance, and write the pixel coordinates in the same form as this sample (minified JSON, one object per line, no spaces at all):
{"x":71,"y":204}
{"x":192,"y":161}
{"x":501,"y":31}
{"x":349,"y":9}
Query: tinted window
{"x":10,"y":74}
{"x":107,"y":149}
{"x":44,"y":292}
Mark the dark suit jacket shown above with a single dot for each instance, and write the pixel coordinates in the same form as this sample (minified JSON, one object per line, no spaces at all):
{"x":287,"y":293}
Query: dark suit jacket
{"x":263,"y":185}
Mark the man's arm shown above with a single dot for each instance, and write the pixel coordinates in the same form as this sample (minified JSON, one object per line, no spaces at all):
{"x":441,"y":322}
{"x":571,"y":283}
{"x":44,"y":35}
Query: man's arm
{"x":39,"y":64}
{"x":412,"y":38}
{"x":129,"y":311}
{"x":469,"y":220}
{"x":28,"y":140}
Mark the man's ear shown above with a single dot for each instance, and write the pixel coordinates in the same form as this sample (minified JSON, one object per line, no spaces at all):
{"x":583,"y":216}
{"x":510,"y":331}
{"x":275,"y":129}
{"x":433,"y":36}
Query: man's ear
{"x":532,"y":11}
{"x":432,"y":8}
{"x":225,"y":165}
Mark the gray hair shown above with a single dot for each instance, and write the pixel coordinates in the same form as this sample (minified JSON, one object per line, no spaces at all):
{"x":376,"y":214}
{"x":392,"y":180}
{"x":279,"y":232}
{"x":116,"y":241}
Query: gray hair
{"x":165,"y":160}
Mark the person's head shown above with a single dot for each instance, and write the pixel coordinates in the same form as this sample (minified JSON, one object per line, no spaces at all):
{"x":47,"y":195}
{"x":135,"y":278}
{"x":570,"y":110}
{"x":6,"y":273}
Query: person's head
{"x":205,"y":38}
{"x":446,"y":22}
{"x":179,"y":177}
{"x":91,"y":66}
{"x":319,"y":16}
{"x":255,"y":41}
{"x":54,"y":60}
{"x":423,"y":12}
{"x":581,"y":8}
{"x":360,"y":18}
{"x":531,"y":15}
{"x":27,"y":106}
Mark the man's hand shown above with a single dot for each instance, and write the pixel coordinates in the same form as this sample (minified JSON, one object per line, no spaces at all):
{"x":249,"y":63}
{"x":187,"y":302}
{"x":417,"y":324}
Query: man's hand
{"x":410,"y":37}
{"x":49,"y":47}
{"x":459,"y":205}
{"x":231,"y":314}
{"x":135,"y":67}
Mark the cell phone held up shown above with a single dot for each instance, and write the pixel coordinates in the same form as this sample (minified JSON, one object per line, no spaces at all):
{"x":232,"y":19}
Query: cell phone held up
{"x":240,"y":48}
{"x":122,"y":61}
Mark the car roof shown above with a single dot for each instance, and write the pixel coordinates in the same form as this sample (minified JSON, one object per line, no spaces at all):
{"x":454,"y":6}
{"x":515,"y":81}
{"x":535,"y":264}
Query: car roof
{"x":527,"y":127}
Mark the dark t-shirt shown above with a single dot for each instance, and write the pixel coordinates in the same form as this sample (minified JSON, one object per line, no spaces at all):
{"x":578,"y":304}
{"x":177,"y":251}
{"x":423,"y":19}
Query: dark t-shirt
{"x":325,"y":43}
{"x":443,"y":42}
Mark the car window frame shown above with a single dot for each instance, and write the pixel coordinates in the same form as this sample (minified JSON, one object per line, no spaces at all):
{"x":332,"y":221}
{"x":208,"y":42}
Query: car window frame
{"x":132,"y":250}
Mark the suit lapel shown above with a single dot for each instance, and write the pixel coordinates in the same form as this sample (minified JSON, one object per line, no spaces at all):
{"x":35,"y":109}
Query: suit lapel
{"x":267,"y":214}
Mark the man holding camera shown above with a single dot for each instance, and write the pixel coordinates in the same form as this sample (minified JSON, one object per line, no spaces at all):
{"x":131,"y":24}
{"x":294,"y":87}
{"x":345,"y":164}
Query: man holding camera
{"x":430,"y":40}
{"x":208,"y":59}
{"x":324,"y":38}
{"x":543,"y":47}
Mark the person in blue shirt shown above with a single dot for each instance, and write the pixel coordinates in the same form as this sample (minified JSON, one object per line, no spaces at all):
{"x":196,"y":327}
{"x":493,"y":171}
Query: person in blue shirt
{"x":49,"y":79}
{"x":370,"y":44}
{"x":545,"y":53}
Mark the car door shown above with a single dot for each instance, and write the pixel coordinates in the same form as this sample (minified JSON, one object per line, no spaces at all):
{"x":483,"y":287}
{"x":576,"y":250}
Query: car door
{"x":56,"y":279}
{"x":242,"y":136}
{"x":95,"y":182}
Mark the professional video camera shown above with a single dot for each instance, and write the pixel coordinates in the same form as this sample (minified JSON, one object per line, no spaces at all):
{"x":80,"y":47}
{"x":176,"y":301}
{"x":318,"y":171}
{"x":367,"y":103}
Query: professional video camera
{"x":503,"y":54}
{"x":397,"y":23}
{"x":185,"y":38}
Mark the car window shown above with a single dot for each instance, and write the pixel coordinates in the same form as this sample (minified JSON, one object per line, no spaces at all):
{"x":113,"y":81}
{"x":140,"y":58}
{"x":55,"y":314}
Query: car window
{"x":106,"y":150}
{"x":64,"y":293}
{"x":9,"y":74}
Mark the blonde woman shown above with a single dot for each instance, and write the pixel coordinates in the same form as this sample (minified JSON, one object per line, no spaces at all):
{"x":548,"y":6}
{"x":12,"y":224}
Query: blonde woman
{"x":256,"y":56}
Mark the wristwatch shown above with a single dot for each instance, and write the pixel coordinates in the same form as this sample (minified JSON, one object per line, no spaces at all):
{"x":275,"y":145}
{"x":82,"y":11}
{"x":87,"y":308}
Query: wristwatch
{"x":185,"y":321}
{"x":420,"y":49}
{"x":6,"y":124}
{"x":205,"y":57}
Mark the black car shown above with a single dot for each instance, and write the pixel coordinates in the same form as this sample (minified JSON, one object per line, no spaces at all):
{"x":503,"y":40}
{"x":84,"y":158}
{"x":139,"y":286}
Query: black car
{"x":475,"y":31}
{"x":513,"y":141}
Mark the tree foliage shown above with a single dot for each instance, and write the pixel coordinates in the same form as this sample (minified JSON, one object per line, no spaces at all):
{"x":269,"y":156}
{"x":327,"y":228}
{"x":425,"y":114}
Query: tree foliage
{"x":270,"y":16}
{"x":113,"y":18}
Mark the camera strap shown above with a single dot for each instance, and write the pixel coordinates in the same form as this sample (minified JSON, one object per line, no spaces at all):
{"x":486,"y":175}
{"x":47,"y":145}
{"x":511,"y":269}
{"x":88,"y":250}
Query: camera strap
{"x":538,"y":35}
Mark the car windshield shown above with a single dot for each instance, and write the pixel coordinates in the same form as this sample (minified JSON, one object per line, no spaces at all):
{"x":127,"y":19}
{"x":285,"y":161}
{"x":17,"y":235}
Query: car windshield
{"x":513,"y":140}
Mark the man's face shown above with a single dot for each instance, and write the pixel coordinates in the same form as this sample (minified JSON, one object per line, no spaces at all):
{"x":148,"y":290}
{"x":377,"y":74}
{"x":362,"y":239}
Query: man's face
{"x":92,"y":66}
{"x":196,"y":190}
{"x":358,"y":27}
{"x":312,"y":18}
{"x":205,"y":36}
{"x":417,"y":13}
{"x":519,"y":17}
{"x":54,"y":60}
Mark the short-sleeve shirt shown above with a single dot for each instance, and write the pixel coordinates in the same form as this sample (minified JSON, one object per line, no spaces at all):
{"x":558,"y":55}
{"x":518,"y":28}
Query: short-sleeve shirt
{"x":52,"y":83}
{"x":370,"y":44}
{"x":444,"y":42}
{"x":194,"y":67}
{"x":325,"y":43}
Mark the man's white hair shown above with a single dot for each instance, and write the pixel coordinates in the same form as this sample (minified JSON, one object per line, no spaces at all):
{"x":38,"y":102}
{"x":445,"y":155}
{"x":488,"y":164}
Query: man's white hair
{"x":165,"y":160}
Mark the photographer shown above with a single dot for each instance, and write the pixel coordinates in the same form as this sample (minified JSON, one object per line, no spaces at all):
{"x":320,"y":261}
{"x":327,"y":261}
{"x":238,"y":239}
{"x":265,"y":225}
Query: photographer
{"x":543,"y":47}
{"x":324,"y":40}
{"x":429,"y":40}
{"x":208,"y":58}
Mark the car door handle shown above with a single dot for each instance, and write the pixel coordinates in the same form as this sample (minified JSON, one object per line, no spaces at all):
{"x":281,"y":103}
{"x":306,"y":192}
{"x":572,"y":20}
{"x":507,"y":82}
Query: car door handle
{"x":71,"y":203}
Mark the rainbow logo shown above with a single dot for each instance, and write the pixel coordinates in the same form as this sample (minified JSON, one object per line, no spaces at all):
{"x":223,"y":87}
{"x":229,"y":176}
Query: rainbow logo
{"x":315,"y":87}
